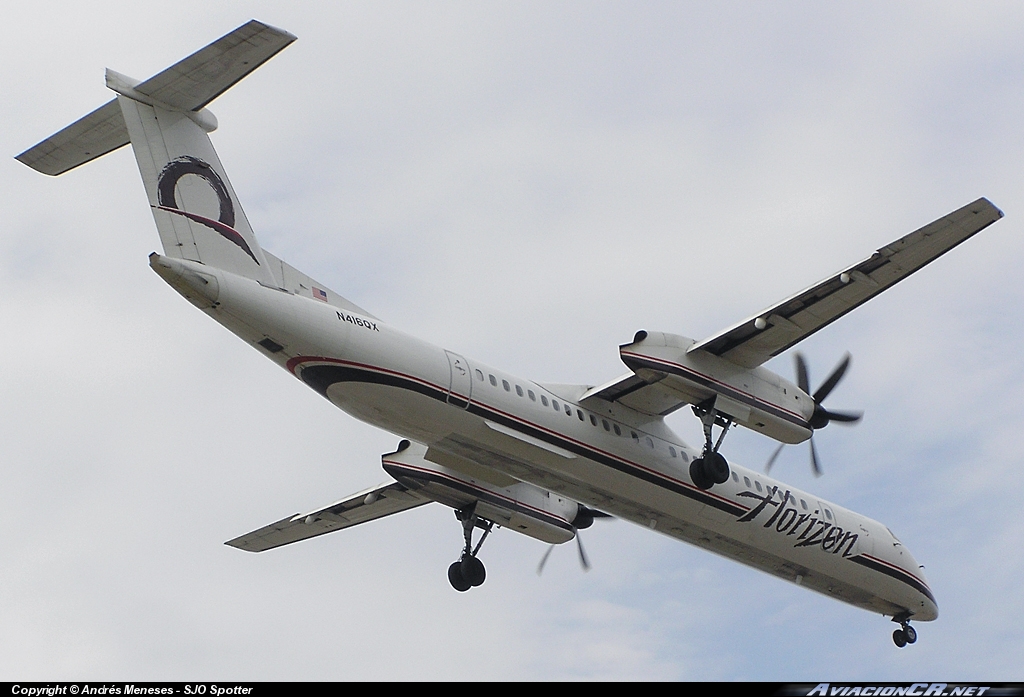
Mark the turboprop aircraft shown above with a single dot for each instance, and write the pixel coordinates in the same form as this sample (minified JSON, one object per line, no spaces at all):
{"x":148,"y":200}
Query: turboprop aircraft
{"x":502,"y":450}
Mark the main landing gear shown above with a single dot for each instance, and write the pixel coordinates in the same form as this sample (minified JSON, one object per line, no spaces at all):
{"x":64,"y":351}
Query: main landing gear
{"x":469,"y":571}
{"x":711,"y":467}
{"x":905,"y":634}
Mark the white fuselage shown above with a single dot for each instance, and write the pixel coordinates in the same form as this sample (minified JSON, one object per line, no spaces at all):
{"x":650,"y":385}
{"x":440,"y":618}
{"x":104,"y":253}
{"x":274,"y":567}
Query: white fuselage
{"x":610,"y":458}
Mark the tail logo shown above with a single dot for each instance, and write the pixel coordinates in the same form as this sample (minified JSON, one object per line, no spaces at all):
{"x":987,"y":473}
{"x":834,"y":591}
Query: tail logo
{"x":168,"y":180}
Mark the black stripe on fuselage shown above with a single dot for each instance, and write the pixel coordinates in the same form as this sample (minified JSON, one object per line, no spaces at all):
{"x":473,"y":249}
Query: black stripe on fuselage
{"x":399,"y":471}
{"x":896,"y":573}
{"x":320,"y":377}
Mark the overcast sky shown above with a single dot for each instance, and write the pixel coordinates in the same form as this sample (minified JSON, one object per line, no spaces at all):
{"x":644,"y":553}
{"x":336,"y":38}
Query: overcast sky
{"x":527,"y":184}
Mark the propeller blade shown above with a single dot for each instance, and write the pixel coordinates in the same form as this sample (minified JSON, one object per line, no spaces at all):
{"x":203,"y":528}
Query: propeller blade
{"x":771,"y":460}
{"x":802,"y":381}
{"x":544,"y":560}
{"x":814,"y":459}
{"x":845,"y":417}
{"x":583,"y":555}
{"x":833,"y":380}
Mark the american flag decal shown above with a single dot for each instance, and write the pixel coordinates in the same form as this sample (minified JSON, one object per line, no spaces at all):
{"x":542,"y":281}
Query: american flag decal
{"x":319,"y":294}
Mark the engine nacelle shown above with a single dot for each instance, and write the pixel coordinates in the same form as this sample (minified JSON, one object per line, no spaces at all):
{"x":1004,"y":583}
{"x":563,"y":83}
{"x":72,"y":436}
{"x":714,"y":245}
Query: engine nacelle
{"x":756,"y":398}
{"x":521,"y":507}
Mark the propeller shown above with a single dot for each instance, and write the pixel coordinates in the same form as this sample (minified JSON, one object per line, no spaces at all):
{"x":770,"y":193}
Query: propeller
{"x":584,"y":519}
{"x":821,"y":417}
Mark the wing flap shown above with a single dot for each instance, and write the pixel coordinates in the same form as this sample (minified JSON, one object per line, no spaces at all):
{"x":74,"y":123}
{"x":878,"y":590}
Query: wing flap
{"x":775,"y":329}
{"x":371,"y":504}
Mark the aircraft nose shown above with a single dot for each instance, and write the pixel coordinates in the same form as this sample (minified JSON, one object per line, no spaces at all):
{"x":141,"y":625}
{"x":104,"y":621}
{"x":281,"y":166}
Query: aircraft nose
{"x":927,"y":608}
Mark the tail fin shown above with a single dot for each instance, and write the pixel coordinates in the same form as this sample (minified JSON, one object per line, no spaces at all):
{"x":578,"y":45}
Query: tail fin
{"x":197,"y":213}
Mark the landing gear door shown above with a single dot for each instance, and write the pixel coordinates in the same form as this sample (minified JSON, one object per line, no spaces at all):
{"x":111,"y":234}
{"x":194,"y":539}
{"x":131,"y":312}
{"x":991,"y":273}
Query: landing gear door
{"x":460,"y":387}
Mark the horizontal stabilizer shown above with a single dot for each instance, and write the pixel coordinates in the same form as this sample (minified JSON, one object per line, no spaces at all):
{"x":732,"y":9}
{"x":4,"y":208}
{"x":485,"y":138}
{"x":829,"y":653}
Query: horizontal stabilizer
{"x":194,"y":82}
{"x":187,"y":86}
{"x":89,"y":137}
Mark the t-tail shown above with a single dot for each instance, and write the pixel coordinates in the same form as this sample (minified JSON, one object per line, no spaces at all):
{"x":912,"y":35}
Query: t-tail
{"x":197,"y":213}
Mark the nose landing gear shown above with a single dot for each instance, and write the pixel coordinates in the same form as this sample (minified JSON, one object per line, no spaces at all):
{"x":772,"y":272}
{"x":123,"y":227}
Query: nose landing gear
{"x":468,"y":571}
{"x":905,"y":634}
{"x":711,"y":467}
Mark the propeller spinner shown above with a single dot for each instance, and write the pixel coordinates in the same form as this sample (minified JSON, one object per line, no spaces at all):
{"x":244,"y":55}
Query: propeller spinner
{"x":821,"y":417}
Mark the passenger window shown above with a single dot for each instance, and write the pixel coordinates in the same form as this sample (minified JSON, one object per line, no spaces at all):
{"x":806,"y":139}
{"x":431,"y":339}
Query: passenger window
{"x":579,"y":413}
{"x":803,"y":503}
{"x":479,"y":375}
{"x":593,"y":419}
{"x":494,"y":380}
{"x":746,"y":480}
{"x":504,"y":383}
{"x":635,"y":437}
{"x":533,"y":397}
{"x":568,"y":410}
{"x":604,"y":422}
{"x":828,"y":514}
{"x":650,"y":443}
{"x":519,"y":390}
{"x":554,"y":403}
{"x":736,"y":477}
{"x":618,"y":431}
{"x":543,"y":400}
{"x":672,"y":450}
{"x":757,"y":484}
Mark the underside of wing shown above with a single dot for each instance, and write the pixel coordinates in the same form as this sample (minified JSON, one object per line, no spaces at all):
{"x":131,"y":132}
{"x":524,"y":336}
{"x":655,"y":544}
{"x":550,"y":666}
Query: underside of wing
{"x":641,"y":392}
{"x":770,"y":332}
{"x":365,"y":506}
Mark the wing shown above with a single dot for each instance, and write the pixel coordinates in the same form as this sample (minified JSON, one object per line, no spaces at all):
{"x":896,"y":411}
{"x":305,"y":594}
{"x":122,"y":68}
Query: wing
{"x":643,"y":393}
{"x":365,"y":506}
{"x":770,"y":332}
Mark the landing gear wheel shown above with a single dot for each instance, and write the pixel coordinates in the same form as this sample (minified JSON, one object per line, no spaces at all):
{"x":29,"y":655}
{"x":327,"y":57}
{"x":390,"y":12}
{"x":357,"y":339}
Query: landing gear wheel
{"x":716,"y":468}
{"x":456,"y":578}
{"x":910,"y":633}
{"x":697,"y":475}
{"x":899,"y":637}
{"x":472,"y":570}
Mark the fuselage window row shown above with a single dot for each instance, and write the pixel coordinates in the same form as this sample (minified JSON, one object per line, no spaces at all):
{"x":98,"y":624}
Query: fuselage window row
{"x":568,"y":410}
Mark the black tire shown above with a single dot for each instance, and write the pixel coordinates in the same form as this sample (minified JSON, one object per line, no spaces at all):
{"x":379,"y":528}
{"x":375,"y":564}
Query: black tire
{"x":473,"y":571}
{"x":716,"y":468}
{"x":911,"y":634}
{"x":456,"y":578}
{"x":697,"y":475}
{"x":899,"y":638}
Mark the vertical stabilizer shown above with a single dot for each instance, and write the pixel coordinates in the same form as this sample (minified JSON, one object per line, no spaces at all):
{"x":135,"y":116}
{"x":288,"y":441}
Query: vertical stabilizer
{"x":165,"y":118}
{"x":196,"y":211}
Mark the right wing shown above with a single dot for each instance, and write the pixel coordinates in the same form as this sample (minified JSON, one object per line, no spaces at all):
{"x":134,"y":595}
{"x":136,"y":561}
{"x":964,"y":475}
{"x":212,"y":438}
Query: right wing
{"x":773,"y":330}
{"x":365,"y":506}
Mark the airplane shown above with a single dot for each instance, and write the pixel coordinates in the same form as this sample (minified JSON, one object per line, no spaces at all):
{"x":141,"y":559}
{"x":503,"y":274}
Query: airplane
{"x":503,"y":451}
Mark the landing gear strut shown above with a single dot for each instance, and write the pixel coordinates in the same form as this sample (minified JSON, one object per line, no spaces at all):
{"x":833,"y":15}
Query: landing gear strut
{"x":711,"y":467}
{"x":905,"y":634}
{"x":469,"y":571}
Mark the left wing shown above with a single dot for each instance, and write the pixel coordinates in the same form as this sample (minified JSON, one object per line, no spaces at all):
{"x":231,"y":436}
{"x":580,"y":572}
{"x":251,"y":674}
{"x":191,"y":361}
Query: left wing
{"x":770,"y":332}
{"x":365,"y":506}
